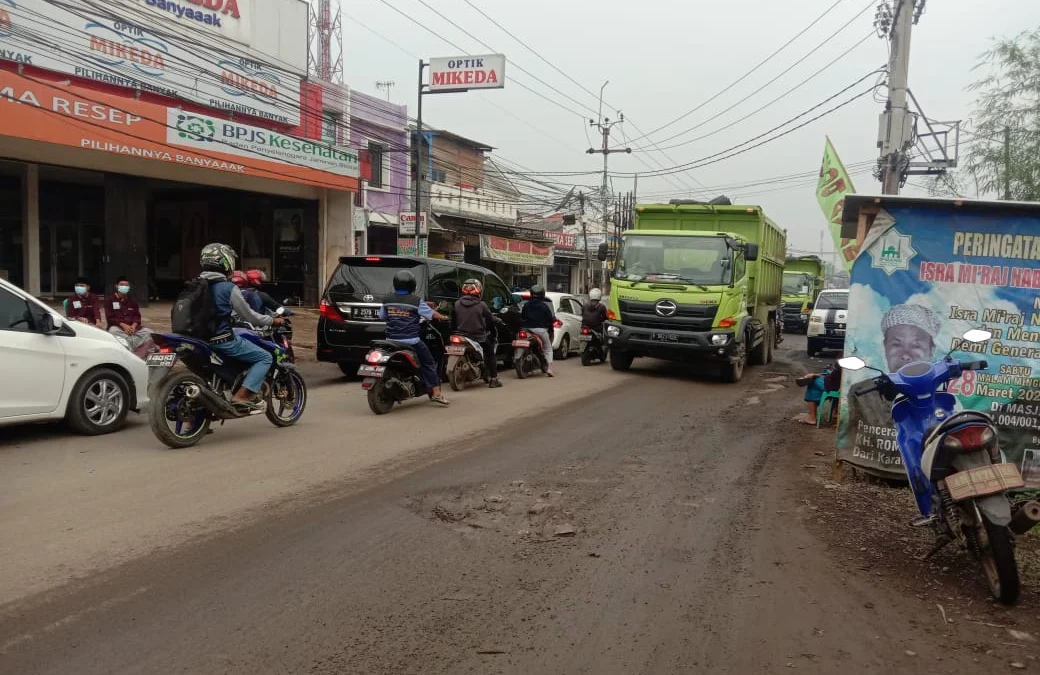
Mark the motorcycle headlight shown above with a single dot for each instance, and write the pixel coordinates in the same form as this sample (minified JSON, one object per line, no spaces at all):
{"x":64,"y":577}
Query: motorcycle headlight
{"x":613,"y":331}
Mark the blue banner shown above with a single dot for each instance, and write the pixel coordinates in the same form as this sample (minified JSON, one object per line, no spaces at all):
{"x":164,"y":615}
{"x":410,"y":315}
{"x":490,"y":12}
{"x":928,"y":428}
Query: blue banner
{"x":923,"y":277}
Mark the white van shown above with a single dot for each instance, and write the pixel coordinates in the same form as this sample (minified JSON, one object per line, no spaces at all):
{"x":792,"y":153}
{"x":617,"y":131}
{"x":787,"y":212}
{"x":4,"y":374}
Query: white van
{"x":827,"y":321}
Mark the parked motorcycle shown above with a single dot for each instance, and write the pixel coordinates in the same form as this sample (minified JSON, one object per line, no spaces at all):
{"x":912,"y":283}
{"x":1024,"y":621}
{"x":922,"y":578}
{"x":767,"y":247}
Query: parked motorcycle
{"x":392,"y":371}
{"x":593,"y":346}
{"x":528,"y":354}
{"x":186,"y":401}
{"x":954,"y":465}
{"x":465,"y":362}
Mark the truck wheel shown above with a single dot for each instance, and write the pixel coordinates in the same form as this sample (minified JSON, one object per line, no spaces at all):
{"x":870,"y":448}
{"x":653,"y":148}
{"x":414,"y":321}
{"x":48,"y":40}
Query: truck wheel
{"x":620,"y":360}
{"x":732,"y":372}
{"x":760,"y":355}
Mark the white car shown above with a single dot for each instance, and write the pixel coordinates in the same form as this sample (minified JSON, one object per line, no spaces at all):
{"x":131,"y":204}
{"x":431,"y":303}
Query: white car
{"x":827,"y":321}
{"x":567,"y":309}
{"x":56,"y":369}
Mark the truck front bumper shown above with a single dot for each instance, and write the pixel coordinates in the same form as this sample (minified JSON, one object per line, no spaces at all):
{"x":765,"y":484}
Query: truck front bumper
{"x":672,"y":345}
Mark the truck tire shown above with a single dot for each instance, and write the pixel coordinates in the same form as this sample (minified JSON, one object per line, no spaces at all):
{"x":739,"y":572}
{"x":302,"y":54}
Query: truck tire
{"x":620,"y":360}
{"x":732,"y":372}
{"x":760,"y":355}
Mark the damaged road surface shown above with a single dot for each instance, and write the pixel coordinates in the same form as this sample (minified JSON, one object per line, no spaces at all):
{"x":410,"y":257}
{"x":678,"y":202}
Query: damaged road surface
{"x":657,"y":527}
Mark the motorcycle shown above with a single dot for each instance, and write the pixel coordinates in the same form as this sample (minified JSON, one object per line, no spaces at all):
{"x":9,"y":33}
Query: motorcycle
{"x":392,"y":371}
{"x":528,"y":354}
{"x":593,"y":346}
{"x":280,"y":335}
{"x":186,"y":401}
{"x":465,"y":362}
{"x":954,"y":465}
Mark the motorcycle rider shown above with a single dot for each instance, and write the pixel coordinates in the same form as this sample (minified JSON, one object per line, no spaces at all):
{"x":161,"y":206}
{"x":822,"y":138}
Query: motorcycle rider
{"x":594,"y":313}
{"x":240,"y":280}
{"x":256,"y":279}
{"x":218,"y":263}
{"x":402,"y":312}
{"x":538,"y":318}
{"x":474,"y":319}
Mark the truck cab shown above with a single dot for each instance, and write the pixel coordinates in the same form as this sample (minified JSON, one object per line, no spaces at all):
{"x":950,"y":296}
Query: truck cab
{"x":803,"y":281}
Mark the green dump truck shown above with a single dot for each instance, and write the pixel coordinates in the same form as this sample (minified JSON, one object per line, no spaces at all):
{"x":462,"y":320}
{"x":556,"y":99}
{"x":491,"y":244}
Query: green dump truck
{"x":696,"y":282}
{"x":803,"y":281}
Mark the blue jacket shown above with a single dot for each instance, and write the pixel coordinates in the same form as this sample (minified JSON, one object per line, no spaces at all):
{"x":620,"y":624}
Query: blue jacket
{"x":402,"y":313}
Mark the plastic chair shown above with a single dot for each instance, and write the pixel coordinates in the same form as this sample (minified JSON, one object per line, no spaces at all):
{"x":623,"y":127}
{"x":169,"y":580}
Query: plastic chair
{"x":833,"y":395}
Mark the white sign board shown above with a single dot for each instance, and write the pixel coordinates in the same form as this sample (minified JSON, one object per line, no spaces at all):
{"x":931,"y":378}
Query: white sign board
{"x":232,"y":19}
{"x":115,"y":51}
{"x":407,"y":224}
{"x":459,"y":73}
{"x":202,"y":132}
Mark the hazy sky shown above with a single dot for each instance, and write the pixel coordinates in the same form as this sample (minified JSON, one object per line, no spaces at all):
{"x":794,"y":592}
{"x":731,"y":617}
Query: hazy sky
{"x":665,"y":58}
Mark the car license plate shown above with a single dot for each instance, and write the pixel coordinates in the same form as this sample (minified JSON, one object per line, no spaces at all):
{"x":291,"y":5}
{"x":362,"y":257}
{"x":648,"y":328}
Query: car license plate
{"x":584,"y":338}
{"x":364,"y":313}
{"x":664,"y":337}
{"x":161,"y":360}
{"x":521,"y":343}
{"x":455,"y":350}
{"x":371,"y":371}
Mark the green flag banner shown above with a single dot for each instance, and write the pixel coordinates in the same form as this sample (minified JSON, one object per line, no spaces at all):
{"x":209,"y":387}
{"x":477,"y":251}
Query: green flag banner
{"x":831,"y":189}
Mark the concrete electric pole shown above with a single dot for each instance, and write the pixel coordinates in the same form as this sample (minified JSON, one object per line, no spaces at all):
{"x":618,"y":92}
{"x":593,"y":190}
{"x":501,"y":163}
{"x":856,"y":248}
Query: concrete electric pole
{"x":604,"y":126}
{"x":896,"y":121}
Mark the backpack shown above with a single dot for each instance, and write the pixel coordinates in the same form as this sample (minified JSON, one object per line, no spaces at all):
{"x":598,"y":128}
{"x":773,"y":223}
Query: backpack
{"x":195,"y":314}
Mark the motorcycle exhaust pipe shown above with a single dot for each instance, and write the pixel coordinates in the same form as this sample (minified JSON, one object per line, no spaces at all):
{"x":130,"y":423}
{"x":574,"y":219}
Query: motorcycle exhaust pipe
{"x":212,"y":402}
{"x":1026,"y":518}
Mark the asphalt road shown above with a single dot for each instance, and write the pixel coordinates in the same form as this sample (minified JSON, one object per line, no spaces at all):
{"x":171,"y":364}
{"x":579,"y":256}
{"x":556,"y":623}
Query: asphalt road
{"x":653,"y":527}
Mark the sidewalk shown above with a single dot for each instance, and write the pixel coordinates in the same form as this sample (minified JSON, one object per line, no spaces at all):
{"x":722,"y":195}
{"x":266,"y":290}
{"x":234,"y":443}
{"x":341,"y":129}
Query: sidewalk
{"x":305,"y":324}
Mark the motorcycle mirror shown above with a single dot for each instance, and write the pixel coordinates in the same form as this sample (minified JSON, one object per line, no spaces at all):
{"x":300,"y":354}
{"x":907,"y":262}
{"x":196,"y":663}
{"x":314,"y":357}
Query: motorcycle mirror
{"x":504,"y":310}
{"x":279,"y":311}
{"x":976,"y":335}
{"x":852,"y":363}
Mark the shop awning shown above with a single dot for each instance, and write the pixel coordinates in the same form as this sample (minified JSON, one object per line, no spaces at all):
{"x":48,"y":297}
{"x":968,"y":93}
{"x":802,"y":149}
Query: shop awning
{"x":382,"y":219}
{"x":515,"y":251}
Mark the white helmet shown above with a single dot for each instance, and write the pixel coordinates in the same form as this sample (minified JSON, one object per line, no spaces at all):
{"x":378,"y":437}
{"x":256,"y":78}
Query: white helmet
{"x":595,"y":294}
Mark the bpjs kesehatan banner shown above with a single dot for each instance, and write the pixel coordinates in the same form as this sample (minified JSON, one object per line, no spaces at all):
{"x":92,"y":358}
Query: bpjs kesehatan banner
{"x":117,"y":47}
{"x":924,"y":276}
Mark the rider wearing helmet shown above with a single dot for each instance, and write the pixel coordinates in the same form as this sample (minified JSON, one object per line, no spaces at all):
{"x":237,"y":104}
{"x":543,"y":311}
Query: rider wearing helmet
{"x":241,"y":280}
{"x":538,"y":318}
{"x":402,"y":311}
{"x":473,"y":319}
{"x":594,"y":313}
{"x":218,"y":263}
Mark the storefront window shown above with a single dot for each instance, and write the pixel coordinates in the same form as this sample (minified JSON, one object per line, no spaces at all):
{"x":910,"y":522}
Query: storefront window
{"x":11,"y":230}
{"x":288,"y":230}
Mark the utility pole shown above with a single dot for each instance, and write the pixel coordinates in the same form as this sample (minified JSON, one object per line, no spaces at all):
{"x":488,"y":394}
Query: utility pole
{"x":1007,"y":163}
{"x":635,"y":188}
{"x":896,"y":119}
{"x":604,"y":125}
{"x":584,"y":238}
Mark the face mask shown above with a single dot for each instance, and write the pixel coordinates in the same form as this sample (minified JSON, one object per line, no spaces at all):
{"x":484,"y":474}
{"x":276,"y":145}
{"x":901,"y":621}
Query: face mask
{"x":81,"y":290}
{"x":123,"y":289}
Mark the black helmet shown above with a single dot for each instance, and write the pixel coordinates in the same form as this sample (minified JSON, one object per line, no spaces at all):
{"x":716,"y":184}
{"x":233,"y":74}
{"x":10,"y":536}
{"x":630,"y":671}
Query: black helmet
{"x":404,"y":281}
{"x":538,"y":292}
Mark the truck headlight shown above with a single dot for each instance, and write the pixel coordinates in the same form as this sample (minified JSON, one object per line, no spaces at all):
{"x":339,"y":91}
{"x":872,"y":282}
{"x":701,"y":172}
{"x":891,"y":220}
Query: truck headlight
{"x":815,"y":319}
{"x":613,"y":331}
{"x":719,"y":339}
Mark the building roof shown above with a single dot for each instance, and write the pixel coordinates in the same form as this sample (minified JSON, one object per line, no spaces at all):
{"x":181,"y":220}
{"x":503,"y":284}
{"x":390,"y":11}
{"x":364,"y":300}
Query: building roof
{"x":850,"y":212}
{"x":461,"y":140}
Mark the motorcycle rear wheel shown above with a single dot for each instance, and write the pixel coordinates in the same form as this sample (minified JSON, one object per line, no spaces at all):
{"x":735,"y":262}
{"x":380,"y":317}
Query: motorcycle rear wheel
{"x":457,"y":376}
{"x":998,"y":564}
{"x":378,"y":400}
{"x":168,"y":399}
{"x":586,"y":357}
{"x":520,"y":366}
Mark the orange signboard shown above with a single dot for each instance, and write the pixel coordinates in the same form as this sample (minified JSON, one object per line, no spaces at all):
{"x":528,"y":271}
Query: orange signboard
{"x":76,"y":116}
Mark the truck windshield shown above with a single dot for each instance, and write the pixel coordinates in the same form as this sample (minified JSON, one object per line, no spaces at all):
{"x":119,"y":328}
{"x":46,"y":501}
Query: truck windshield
{"x":691,"y":260}
{"x":833,"y":301}
{"x":796,"y":284}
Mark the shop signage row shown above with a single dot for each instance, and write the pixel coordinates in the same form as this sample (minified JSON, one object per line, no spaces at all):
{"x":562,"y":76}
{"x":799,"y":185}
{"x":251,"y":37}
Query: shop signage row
{"x":82,"y":42}
{"x":460,"y":73}
{"x":406,"y":224}
{"x":515,"y":251}
{"x":412,"y":246}
{"x":561,"y":240}
{"x":71,"y":115}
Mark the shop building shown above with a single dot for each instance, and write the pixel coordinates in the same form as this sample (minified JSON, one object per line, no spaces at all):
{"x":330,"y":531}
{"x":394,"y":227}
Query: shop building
{"x":473,"y":209}
{"x":129,"y":144}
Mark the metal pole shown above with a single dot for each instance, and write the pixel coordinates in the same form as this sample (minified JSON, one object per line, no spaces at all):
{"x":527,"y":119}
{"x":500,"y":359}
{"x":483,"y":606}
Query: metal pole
{"x":584,"y":238}
{"x":418,"y":163}
{"x":893,"y":146}
{"x":1007,"y":163}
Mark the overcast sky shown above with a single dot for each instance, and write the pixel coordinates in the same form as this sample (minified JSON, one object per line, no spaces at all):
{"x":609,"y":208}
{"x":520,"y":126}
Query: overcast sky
{"x":663,"y":59}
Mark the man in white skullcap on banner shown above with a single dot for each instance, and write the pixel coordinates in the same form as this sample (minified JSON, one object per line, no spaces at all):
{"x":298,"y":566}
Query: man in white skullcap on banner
{"x":909,"y":335}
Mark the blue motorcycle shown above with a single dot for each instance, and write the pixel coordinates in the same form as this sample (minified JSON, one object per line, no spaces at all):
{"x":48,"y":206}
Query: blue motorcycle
{"x":185,"y":401}
{"x":954,"y":464}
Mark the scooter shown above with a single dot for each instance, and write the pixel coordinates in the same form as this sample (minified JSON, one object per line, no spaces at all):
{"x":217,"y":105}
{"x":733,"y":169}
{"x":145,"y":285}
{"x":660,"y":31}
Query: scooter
{"x":392,"y":372}
{"x":593,"y":346}
{"x":528,"y":354}
{"x":954,"y":465}
{"x":465,"y":362}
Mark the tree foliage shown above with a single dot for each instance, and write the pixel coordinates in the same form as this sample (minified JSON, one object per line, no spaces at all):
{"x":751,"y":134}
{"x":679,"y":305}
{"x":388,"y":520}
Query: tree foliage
{"x":1008,"y":98}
